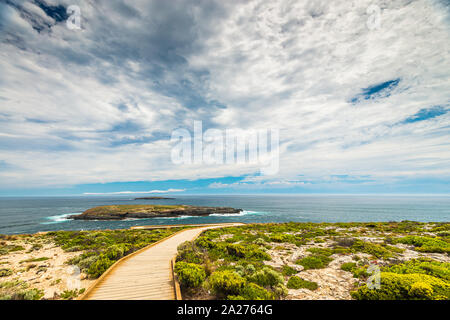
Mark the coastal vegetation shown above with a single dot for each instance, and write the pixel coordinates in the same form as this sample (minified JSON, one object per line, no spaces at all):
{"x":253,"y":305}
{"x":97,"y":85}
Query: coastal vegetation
{"x":299,"y":283}
{"x":255,"y":261}
{"x":19,"y":290}
{"x":36,"y":263}
{"x":317,"y":261}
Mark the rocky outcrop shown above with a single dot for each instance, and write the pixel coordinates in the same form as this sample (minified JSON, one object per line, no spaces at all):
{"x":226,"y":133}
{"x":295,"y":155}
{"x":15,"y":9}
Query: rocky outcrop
{"x":120,"y":212}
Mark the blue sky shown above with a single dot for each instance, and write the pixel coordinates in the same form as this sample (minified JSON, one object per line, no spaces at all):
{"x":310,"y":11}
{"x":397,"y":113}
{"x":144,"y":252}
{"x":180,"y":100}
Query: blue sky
{"x":359,"y":109}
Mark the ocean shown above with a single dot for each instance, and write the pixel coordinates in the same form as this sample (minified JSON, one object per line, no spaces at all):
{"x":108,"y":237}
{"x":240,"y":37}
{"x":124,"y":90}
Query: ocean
{"x":31,"y":215}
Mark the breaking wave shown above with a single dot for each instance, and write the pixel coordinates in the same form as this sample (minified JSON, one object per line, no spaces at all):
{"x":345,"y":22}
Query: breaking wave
{"x":59,"y":218}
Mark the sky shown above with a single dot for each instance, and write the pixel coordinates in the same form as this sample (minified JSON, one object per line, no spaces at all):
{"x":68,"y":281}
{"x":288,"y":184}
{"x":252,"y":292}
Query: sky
{"x":359,"y":91}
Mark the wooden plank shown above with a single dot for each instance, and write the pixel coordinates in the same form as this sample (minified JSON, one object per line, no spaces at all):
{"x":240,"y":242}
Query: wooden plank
{"x":147,"y":273}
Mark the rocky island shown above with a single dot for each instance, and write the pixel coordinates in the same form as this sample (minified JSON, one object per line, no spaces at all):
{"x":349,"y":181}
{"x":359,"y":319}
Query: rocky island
{"x":120,"y":212}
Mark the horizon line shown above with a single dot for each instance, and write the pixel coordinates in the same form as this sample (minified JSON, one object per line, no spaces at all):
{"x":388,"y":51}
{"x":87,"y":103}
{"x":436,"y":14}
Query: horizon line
{"x":125,"y":194}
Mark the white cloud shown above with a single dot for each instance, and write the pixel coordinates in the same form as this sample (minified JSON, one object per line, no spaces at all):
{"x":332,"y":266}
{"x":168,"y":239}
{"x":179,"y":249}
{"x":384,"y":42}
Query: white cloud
{"x":73,"y":102}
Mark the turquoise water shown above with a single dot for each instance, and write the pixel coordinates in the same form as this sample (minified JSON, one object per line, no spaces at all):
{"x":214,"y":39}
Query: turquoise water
{"x":30,"y":215}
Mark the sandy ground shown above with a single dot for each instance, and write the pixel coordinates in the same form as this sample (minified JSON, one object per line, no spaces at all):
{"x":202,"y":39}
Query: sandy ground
{"x":53,"y":275}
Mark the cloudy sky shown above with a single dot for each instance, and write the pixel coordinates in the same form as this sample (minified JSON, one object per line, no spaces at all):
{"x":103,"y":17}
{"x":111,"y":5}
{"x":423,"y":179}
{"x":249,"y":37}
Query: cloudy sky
{"x":359,"y":91}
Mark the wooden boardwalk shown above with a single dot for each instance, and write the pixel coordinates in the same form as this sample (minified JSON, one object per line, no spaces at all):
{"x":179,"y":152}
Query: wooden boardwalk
{"x":145,"y":275}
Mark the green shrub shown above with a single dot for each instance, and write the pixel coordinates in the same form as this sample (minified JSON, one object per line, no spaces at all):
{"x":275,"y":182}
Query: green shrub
{"x":19,"y":290}
{"x":35,"y":259}
{"x":10,"y":248}
{"x":426,"y":244}
{"x":360,"y":272}
{"x":314,"y":262}
{"x":250,"y":269}
{"x":288,"y":270}
{"x":35,"y":247}
{"x":424,"y":266}
{"x":237,"y":250}
{"x":280,"y":291}
{"x":299,"y":283}
{"x":321,"y":251}
{"x":348,"y":266}
{"x":32,"y":294}
{"x":328,"y":251}
{"x":266,"y":277}
{"x":421,"y":290}
{"x":341,"y":250}
{"x":191,"y":275}
{"x":345,"y":242}
{"x":226,"y":283}
{"x":443,"y":234}
{"x":443,"y":226}
{"x":71,"y":294}
{"x":280,"y":238}
{"x":116,"y":251}
{"x":189,"y":252}
{"x":5,"y":272}
{"x":375,"y":250}
{"x":240,"y":251}
{"x":97,"y":268}
{"x":85,"y":263}
{"x":260,"y":242}
{"x":252,"y":291}
{"x":251,"y":251}
{"x":395,"y":286}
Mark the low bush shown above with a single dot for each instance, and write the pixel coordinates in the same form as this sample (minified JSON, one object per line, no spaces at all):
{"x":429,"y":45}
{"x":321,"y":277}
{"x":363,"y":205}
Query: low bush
{"x":314,"y":262}
{"x":226,"y":283}
{"x":253,"y":252}
{"x":280,"y":291}
{"x":426,"y":244}
{"x":360,"y":272}
{"x":252,"y":291}
{"x":191,"y":275}
{"x":189,"y":252}
{"x":35,"y":259}
{"x":424,"y":266}
{"x":10,"y":248}
{"x":321,"y":251}
{"x":282,"y":237}
{"x":299,"y":283}
{"x":373,"y":249}
{"x":288,"y":270}
{"x":344,"y":242}
{"x":71,"y":294}
{"x":260,"y":242}
{"x":100,"y":265}
{"x":266,"y":277}
{"x":5,"y":272}
{"x":395,"y":286}
{"x":348,"y":266}
{"x":19,"y":290}
{"x":245,"y":270}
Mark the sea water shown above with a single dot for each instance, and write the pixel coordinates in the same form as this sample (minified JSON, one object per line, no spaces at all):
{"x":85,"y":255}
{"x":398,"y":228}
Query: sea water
{"x":30,"y":215}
